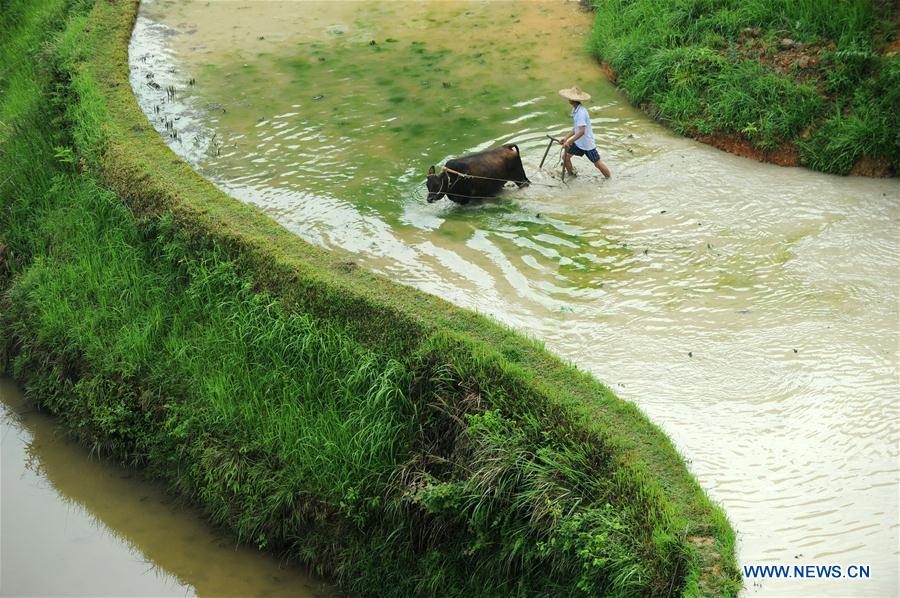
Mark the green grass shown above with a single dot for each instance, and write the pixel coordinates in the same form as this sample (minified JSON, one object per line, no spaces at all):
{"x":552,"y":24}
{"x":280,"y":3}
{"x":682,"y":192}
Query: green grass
{"x":397,"y":443}
{"x":706,"y":67}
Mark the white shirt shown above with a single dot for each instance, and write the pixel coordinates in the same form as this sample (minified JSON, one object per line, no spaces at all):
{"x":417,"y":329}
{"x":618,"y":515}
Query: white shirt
{"x":580,"y":116}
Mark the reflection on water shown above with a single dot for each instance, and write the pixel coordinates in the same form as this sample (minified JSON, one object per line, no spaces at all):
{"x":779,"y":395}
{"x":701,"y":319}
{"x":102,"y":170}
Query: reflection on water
{"x":72,"y":526}
{"x":750,"y":310}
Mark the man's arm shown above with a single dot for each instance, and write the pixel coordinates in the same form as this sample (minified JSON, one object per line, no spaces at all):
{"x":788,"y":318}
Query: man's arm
{"x":570,"y":139}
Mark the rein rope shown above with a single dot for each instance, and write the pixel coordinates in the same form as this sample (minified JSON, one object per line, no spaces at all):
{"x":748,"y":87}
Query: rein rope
{"x":475,"y":176}
{"x":487,"y":178}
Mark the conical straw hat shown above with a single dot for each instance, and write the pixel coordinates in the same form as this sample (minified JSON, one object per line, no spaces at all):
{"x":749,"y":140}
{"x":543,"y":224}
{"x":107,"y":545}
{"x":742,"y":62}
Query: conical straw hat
{"x":574,"y":93}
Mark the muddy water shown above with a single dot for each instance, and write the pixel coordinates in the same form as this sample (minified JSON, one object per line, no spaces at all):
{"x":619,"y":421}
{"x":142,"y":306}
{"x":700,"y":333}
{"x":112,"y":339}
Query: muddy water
{"x":72,"y":526}
{"x":750,"y":310}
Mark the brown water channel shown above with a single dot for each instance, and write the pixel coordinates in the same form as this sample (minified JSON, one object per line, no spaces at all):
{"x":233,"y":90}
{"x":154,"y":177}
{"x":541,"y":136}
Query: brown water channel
{"x":73,"y":526}
{"x":750,"y":310}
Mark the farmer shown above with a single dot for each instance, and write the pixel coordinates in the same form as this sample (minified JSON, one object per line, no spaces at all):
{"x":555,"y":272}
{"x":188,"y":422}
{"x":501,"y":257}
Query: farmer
{"x":580,"y":142}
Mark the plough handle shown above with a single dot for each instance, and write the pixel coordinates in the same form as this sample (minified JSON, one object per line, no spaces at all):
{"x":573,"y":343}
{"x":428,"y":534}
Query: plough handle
{"x":547,"y":151}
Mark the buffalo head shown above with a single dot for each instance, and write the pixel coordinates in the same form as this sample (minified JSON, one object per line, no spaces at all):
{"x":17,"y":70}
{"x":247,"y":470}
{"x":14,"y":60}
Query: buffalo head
{"x":437,"y":184}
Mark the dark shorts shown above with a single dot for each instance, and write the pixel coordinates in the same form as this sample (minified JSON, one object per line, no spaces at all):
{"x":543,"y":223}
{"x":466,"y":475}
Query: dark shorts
{"x":593,"y":155}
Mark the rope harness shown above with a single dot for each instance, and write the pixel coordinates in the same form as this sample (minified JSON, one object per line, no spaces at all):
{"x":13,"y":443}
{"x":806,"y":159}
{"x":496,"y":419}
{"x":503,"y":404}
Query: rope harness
{"x":486,"y":178}
{"x":450,"y":188}
{"x":463,"y":175}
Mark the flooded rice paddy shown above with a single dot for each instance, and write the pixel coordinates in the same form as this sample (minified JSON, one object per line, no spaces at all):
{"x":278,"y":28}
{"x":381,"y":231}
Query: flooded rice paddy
{"x":750,"y":310}
{"x":74,"y":526}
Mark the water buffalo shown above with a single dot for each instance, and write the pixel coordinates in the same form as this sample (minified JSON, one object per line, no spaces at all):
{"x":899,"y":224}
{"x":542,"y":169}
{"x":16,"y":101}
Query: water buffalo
{"x":477,"y":175}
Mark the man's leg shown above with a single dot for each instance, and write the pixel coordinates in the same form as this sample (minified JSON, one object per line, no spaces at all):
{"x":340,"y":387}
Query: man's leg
{"x":594,"y":156}
{"x":603,"y":168}
{"x":567,"y":162}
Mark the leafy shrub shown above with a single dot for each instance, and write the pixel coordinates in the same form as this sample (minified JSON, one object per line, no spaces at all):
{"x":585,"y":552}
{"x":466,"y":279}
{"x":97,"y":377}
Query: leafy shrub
{"x":682,"y":60}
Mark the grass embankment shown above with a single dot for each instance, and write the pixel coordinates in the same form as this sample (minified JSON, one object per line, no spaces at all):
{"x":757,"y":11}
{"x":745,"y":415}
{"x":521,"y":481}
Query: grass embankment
{"x":395,"y":442}
{"x":811,"y":82}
